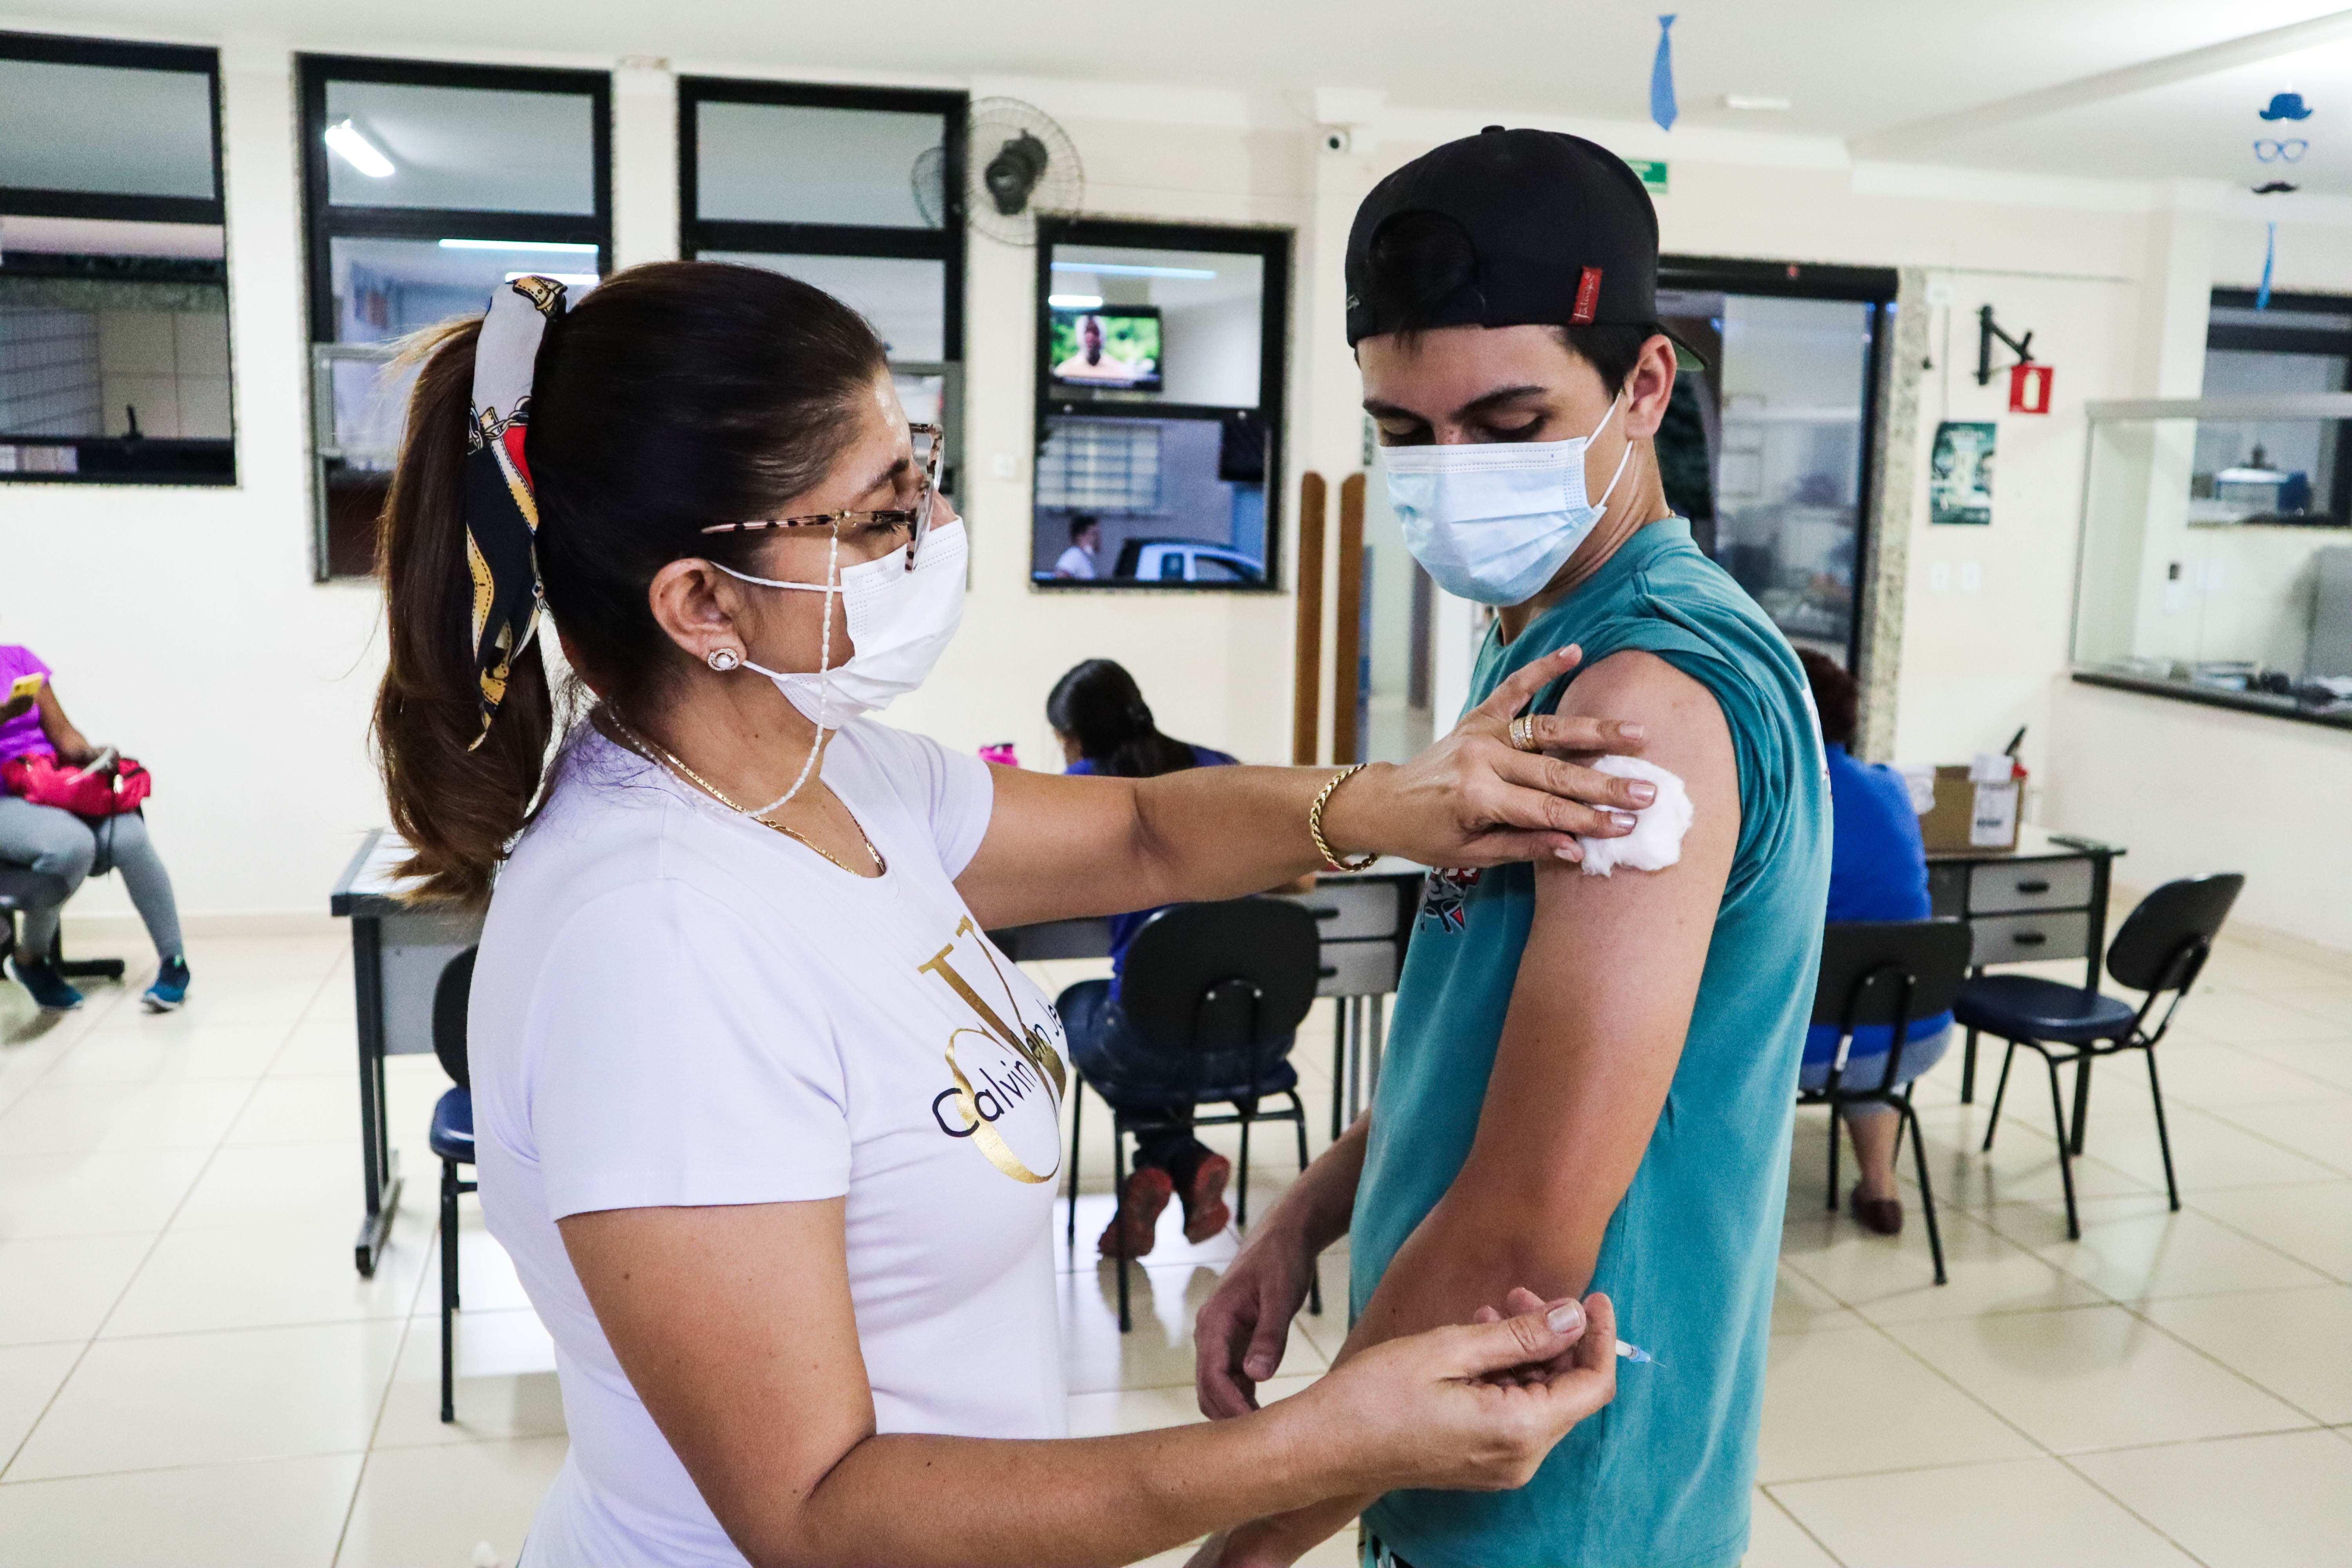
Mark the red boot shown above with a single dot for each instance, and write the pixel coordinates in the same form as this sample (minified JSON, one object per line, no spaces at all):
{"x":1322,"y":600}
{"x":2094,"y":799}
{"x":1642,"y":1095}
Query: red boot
{"x":1205,"y":1213}
{"x":1139,"y":1207}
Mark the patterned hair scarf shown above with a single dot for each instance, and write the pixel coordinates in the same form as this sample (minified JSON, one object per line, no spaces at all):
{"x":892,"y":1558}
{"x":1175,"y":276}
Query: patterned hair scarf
{"x":501,"y":513}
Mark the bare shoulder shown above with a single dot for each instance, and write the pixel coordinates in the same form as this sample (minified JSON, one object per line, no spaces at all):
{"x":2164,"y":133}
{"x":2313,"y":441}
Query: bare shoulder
{"x":1685,"y":724}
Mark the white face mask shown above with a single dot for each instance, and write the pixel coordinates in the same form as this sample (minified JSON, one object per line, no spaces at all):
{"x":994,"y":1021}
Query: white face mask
{"x":899,"y":623}
{"x":1496,"y":521}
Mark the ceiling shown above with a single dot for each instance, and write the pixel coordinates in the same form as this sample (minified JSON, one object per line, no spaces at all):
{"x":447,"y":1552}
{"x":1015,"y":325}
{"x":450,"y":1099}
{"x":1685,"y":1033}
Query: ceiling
{"x":1865,"y":72}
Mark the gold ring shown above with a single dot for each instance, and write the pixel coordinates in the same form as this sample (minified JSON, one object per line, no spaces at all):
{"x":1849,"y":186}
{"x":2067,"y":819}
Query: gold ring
{"x":1522,"y":733}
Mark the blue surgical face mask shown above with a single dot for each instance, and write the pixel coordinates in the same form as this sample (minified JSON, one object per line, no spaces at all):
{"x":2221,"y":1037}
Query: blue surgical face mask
{"x":1495,"y":522}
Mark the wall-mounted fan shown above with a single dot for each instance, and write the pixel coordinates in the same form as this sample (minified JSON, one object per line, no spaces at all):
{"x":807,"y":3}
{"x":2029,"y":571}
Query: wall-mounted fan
{"x":1019,"y":163}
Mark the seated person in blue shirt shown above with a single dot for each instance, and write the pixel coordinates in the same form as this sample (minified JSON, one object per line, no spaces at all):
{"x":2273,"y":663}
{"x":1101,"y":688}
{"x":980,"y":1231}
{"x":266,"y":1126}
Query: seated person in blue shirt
{"x":1878,"y":871}
{"x":1105,"y":727}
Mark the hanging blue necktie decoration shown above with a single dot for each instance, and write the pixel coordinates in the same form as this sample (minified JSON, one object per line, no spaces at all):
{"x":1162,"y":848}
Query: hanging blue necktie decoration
{"x":2270,"y":254}
{"x":1661,"y":76}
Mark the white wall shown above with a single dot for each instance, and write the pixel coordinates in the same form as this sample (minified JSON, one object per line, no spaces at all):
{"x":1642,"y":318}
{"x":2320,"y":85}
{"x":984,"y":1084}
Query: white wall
{"x":208,"y":649}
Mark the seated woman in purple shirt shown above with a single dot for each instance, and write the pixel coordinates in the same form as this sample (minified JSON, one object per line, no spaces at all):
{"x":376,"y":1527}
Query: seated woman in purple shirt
{"x":1105,"y":727}
{"x":58,"y":842}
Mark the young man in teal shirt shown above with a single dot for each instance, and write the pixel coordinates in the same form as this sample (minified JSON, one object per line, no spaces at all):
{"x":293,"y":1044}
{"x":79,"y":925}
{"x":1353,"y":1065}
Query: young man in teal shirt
{"x":1589,"y":1080}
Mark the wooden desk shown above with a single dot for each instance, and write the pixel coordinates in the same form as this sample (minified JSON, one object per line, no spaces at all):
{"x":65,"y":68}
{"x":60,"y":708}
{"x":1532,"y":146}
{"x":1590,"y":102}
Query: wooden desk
{"x":2045,"y":899}
{"x":398,"y":952}
{"x":1365,"y":918}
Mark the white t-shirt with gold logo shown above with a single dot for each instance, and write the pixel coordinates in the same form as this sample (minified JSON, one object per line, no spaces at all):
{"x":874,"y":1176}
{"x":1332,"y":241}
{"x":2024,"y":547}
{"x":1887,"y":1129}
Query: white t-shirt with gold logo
{"x":674,"y":1005}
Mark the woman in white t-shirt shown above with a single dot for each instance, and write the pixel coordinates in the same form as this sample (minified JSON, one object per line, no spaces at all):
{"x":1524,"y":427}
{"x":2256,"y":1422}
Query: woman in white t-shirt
{"x":768,"y":1125}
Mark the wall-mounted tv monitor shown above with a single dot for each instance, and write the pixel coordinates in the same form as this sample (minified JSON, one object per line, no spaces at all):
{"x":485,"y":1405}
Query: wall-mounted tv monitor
{"x":1113,"y":345}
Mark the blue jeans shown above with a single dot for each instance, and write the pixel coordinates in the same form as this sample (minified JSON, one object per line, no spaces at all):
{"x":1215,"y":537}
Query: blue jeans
{"x":1867,"y":1072}
{"x":1112,"y":1054}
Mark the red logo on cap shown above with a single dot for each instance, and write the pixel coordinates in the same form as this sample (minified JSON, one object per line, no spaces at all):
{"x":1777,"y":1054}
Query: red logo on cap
{"x":1588,"y":297}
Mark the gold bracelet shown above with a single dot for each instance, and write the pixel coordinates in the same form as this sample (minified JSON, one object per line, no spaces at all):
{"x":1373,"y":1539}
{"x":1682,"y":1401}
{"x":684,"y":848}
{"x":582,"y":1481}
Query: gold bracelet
{"x":1315,"y":824}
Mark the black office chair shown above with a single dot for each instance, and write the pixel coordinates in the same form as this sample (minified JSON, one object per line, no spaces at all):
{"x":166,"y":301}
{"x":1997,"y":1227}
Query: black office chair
{"x":2162,"y":949}
{"x":1890,"y":973}
{"x":1203,"y":979}
{"x":452,"y":1137}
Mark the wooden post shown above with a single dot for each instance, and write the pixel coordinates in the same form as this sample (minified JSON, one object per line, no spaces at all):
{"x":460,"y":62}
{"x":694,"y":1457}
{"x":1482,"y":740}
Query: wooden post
{"x":1347,"y":632}
{"x":1306,"y":666}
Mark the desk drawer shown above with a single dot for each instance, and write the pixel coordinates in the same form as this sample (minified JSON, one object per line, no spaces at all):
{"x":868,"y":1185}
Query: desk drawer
{"x":2000,"y":887}
{"x":1346,"y":913}
{"x":2013,"y":939}
{"x":1358,"y":969}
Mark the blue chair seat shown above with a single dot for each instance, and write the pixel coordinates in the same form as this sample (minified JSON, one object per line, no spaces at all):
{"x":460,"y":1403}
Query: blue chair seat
{"x":1123,"y":1097}
{"x":452,"y":1137}
{"x":2020,"y":1007}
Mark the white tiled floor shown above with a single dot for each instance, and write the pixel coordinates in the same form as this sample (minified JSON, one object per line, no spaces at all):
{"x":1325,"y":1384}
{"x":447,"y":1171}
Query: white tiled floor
{"x":191,"y":1372}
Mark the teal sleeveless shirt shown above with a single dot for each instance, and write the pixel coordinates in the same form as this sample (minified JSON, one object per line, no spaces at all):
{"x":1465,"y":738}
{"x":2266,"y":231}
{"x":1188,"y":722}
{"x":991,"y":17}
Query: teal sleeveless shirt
{"x":1662,"y":1478}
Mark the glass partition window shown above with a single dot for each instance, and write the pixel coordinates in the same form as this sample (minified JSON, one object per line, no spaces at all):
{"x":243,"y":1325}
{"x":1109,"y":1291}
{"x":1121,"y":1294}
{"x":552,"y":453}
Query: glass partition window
{"x":2209,"y":567}
{"x":114,"y":347}
{"x":1766,"y":447}
{"x":1159,"y":397}
{"x":855,"y":189}
{"x":426,"y":187}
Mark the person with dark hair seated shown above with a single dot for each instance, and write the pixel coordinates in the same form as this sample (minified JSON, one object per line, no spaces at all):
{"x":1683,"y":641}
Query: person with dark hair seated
{"x":1105,"y":727}
{"x":1878,"y":871}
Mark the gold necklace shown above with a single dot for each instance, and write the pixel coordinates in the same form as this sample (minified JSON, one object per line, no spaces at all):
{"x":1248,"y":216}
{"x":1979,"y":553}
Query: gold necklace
{"x":640,"y":744}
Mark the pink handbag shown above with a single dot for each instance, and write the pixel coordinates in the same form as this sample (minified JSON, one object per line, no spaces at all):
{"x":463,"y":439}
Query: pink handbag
{"x":106,"y":789}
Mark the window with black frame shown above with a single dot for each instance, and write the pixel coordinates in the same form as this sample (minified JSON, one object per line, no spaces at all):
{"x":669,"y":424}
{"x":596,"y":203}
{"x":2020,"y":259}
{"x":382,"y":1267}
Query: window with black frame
{"x":1768,"y":448}
{"x":2277,"y":471}
{"x":1160,"y":397}
{"x":857,"y":190}
{"x":114,"y":345}
{"x":425,"y":187}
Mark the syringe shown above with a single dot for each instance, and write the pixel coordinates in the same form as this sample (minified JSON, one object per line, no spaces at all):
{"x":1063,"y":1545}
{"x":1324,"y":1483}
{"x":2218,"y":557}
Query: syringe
{"x":1634,"y":1353}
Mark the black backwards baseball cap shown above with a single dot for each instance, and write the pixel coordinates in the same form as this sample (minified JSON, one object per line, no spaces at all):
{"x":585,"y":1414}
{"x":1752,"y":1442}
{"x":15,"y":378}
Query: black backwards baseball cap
{"x":1561,"y":232}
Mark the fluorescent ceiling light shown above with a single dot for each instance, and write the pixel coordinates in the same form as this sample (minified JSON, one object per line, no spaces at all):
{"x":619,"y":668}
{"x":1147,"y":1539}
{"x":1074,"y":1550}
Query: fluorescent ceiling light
{"x":357,"y":151}
{"x":1753,"y":100}
{"x":559,"y":247}
{"x":1123,"y":270}
{"x":1075,"y":302}
{"x":569,"y":280}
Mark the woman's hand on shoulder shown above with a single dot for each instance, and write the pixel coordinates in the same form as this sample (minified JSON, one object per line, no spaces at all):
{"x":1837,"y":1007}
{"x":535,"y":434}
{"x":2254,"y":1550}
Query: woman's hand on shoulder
{"x":1476,"y":799}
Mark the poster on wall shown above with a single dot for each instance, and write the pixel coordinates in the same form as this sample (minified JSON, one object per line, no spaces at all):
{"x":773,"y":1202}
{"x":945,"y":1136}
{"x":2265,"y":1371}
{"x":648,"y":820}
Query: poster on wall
{"x":1959,"y":473}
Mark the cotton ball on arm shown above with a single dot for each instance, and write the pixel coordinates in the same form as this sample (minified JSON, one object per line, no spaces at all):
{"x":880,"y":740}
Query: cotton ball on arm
{"x":1657,"y":841}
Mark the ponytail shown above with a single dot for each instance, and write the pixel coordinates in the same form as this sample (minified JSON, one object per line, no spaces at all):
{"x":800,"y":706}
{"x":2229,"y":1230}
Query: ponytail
{"x":1099,"y":705}
{"x":674,"y":396}
{"x":457,"y":803}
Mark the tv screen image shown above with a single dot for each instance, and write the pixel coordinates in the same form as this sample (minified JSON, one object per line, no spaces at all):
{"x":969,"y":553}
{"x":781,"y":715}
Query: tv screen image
{"x":1117,"y":345}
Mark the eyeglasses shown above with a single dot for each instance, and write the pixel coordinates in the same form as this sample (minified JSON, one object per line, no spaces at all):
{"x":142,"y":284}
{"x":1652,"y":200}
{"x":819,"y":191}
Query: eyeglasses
{"x":2290,"y":151}
{"x":930,"y":442}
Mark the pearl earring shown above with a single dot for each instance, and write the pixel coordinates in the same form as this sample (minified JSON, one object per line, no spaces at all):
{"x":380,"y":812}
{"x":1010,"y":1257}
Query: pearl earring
{"x":722,"y":659}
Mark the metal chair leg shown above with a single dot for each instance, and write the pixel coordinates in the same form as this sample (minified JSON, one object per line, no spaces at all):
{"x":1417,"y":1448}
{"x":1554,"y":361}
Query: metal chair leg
{"x":1338,"y":1060}
{"x":1969,"y":1070}
{"x":1927,"y":1190}
{"x":2082,"y":1097}
{"x":1078,"y":1109}
{"x":2000,"y":1091}
{"x":2065,"y":1160}
{"x":2163,"y":1139}
{"x":449,"y":1288}
{"x":1835,"y":1119}
{"x":1117,"y":1204}
{"x":1248,"y":1110}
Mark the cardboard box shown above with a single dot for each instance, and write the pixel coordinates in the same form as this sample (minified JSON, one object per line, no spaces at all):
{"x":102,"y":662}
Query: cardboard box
{"x":1968,"y":815}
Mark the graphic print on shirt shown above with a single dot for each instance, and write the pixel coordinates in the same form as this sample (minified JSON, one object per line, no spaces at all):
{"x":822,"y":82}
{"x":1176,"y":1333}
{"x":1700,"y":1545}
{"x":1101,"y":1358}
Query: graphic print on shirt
{"x":1443,"y":892}
{"x":1008,"y":1075}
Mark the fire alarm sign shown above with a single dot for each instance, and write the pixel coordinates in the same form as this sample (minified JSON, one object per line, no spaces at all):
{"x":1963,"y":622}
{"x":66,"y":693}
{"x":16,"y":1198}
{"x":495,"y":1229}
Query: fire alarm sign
{"x":2029,"y":389}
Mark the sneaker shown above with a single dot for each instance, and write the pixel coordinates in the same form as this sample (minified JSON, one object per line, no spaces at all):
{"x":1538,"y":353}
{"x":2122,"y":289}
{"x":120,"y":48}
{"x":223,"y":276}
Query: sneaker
{"x":1139,"y":1207}
{"x":1206,"y":1211}
{"x":48,"y":986}
{"x":170,"y":987}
